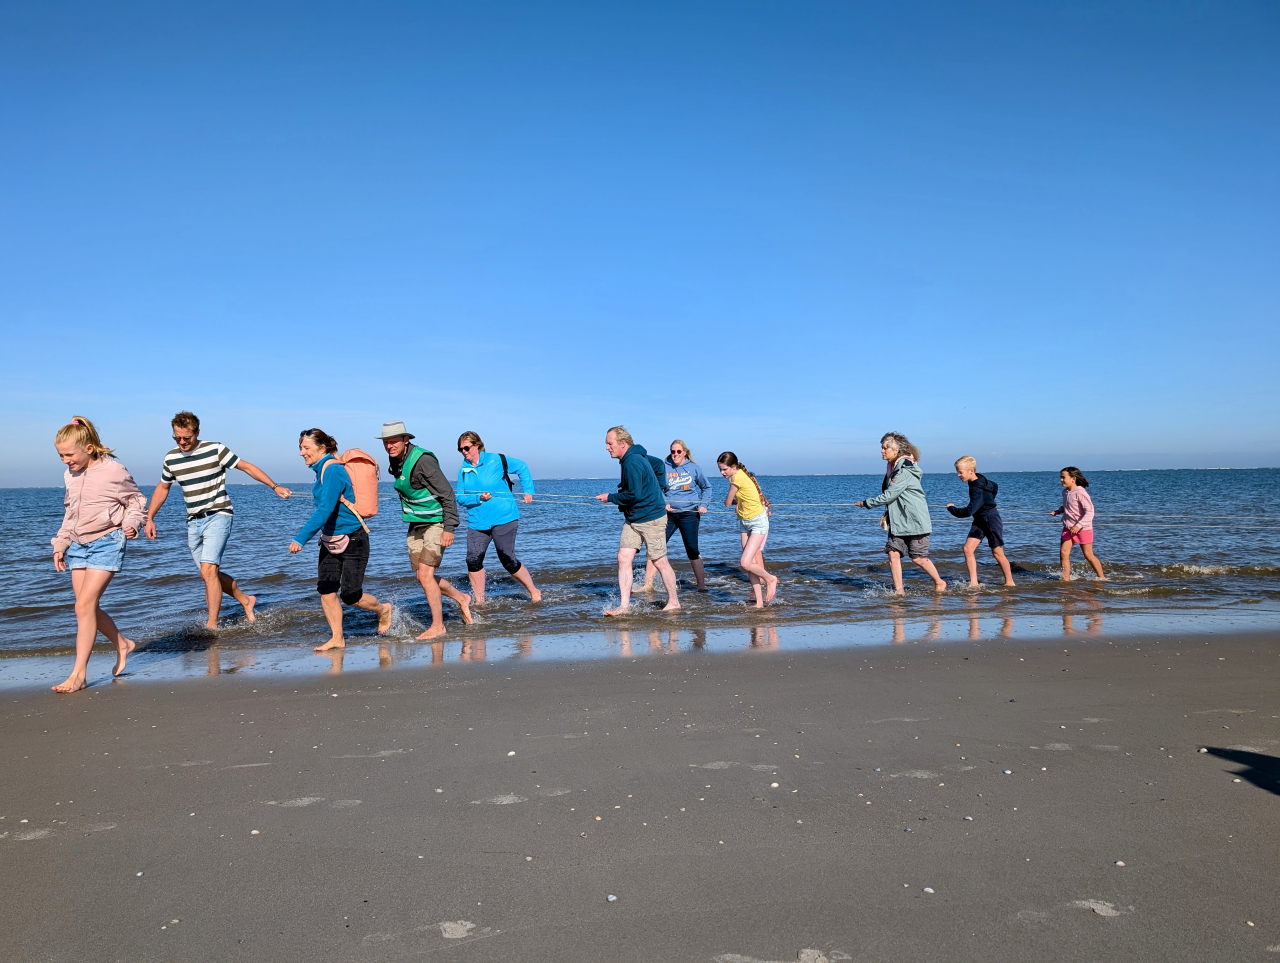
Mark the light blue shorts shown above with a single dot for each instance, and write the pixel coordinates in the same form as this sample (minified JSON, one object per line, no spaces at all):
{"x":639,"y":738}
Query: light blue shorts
{"x":755,"y":526}
{"x":207,"y":537}
{"x":106,"y":554}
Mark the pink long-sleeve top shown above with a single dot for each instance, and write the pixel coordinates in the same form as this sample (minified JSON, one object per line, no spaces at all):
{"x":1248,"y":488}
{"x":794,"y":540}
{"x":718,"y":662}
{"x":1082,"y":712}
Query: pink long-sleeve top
{"x":99,"y":500}
{"x":1077,"y":510}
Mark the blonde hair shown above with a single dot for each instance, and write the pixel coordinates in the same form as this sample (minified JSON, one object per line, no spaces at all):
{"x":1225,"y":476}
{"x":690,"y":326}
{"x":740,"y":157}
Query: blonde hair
{"x":681,"y":442}
{"x":472,"y":437}
{"x":80,"y":431}
{"x":967,"y":461}
{"x":622,"y":435}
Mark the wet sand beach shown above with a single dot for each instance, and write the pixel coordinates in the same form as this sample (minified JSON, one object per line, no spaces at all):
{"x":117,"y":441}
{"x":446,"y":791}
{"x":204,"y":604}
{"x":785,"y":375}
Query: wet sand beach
{"x":978,"y":800}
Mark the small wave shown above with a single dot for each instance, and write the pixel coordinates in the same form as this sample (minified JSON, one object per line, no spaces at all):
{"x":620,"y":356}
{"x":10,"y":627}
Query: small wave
{"x":1188,"y":570}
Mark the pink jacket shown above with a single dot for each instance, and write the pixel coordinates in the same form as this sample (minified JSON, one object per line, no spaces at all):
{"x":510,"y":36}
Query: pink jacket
{"x":99,"y":500}
{"x":1077,"y":510}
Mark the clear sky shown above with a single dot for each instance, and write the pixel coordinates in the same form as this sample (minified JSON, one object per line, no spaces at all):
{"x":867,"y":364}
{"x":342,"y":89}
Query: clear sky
{"x":1038,"y":233}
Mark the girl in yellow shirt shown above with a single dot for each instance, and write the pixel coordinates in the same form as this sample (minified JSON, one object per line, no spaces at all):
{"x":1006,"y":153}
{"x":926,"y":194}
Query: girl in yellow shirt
{"x":753,"y":522}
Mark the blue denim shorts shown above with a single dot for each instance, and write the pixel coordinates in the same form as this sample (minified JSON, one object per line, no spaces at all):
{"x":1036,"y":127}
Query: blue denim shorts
{"x":207,"y":537}
{"x":106,"y":554}
{"x":755,"y":526}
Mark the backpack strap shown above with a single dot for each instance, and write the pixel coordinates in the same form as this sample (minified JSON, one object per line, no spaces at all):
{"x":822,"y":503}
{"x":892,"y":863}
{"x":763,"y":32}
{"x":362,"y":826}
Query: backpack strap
{"x":506,"y":473}
{"x":342,"y":498}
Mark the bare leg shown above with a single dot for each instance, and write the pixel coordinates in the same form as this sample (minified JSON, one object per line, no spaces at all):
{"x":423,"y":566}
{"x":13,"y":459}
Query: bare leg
{"x":663,"y":565}
{"x":625,"y":558}
{"x":1066,"y":560}
{"x":462,"y":599}
{"x":88,"y":585}
{"x":927,"y":564}
{"x":895,"y":569}
{"x":477,"y":586}
{"x":998,"y":552}
{"x":699,"y":574}
{"x":431,"y":588}
{"x":971,"y":559}
{"x":522,"y":576}
{"x":332,"y":608}
{"x":212,"y":593}
{"x":649,"y":571}
{"x":1093,"y":560}
{"x":232,"y":588}
{"x":763,"y":585}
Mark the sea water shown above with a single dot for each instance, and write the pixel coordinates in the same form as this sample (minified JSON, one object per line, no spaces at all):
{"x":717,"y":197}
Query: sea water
{"x":1193,"y":551}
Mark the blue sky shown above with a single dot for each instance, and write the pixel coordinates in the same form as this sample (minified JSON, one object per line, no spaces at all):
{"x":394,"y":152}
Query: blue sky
{"x":1039,"y":233}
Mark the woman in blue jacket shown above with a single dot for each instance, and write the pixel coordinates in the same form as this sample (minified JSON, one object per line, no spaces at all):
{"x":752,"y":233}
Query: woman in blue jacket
{"x":344,"y":541}
{"x":492,"y":516}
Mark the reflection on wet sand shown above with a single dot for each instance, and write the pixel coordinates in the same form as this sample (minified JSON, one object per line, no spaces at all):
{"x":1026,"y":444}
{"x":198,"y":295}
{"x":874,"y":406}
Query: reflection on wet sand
{"x":1083,"y":604}
{"x":214,"y":661}
{"x":1003,"y":612}
{"x":763,"y":637}
{"x":932,"y":630}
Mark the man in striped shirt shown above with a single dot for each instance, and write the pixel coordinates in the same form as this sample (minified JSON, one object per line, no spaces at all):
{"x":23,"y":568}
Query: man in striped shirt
{"x":200,"y":469}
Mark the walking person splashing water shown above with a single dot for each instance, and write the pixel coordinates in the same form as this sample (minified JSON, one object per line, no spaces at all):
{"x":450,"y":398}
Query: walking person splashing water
{"x":344,"y":543}
{"x":104,"y":508}
{"x":753,"y":525}
{"x":1077,"y":520}
{"x":908,"y":512}
{"x":687,"y":490}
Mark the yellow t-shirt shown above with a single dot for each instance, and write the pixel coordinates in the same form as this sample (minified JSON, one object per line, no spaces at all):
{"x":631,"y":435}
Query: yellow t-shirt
{"x":748,"y":500}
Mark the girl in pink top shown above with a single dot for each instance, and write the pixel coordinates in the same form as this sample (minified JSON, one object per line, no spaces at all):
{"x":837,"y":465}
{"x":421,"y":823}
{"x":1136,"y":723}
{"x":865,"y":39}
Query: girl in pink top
{"x":1077,"y":520}
{"x":103,"y":508}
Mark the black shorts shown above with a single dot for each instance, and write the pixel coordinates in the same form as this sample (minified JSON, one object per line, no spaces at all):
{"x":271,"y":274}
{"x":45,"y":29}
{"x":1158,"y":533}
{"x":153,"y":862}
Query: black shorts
{"x":990,"y":526}
{"x":344,"y":574}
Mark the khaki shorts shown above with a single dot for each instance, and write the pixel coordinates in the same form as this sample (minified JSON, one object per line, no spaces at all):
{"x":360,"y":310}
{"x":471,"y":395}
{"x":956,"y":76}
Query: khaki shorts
{"x":424,"y":545}
{"x":652,"y":535}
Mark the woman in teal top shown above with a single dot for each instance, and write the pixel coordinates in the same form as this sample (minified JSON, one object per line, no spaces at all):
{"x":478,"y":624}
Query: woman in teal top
{"x":492,"y":516}
{"x":344,"y":543}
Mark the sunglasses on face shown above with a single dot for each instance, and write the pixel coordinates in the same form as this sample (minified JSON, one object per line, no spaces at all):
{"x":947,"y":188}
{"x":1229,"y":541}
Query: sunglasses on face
{"x":465,"y":448}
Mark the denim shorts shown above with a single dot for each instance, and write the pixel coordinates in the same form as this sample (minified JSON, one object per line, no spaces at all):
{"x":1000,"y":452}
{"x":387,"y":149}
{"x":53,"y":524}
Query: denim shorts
{"x":106,"y":554}
{"x":754,"y":526}
{"x":207,"y":537}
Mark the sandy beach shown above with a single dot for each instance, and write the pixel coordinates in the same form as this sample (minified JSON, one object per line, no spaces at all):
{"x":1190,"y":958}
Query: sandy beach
{"x":991,"y":800}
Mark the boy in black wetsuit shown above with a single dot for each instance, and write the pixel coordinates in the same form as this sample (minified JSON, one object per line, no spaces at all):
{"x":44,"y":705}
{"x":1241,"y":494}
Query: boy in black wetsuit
{"x":986,"y":519}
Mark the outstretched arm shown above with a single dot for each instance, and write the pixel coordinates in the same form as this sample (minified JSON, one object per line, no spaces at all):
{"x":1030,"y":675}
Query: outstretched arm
{"x":257,"y":474}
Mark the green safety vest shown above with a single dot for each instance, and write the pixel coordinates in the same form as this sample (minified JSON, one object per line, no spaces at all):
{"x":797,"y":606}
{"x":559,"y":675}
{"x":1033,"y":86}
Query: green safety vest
{"x":418,"y":505}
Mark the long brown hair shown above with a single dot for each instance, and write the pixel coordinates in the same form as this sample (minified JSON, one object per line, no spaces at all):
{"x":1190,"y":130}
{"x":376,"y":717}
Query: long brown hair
{"x":730,"y":460}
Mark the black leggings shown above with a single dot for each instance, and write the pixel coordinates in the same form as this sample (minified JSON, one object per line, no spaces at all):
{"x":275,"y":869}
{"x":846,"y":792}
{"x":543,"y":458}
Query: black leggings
{"x":344,"y":574}
{"x":687,"y":522}
{"x":504,"y":540}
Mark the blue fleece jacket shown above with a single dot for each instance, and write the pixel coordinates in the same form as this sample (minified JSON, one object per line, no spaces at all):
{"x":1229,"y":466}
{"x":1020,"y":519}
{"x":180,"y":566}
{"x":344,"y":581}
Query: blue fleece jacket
{"x":486,"y":476}
{"x":687,"y":486}
{"x":639,"y":497}
{"x":331,"y":517}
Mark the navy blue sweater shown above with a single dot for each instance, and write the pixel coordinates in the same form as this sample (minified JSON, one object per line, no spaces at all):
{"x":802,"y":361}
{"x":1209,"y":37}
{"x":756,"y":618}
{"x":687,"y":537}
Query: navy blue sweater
{"x":982,"y":498}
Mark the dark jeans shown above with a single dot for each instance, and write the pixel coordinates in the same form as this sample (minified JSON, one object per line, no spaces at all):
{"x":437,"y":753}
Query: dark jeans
{"x":344,"y":573}
{"x":504,"y":540}
{"x":687,"y":522}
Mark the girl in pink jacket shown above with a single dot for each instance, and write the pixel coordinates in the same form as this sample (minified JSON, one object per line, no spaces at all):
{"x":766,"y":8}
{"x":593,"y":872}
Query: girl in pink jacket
{"x":103,"y":508}
{"x":1077,"y":520}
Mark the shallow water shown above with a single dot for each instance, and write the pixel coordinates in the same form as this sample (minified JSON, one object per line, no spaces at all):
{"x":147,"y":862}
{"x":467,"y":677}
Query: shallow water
{"x":1193,"y":549}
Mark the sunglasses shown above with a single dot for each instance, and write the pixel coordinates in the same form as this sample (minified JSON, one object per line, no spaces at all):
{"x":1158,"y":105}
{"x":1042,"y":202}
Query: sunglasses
{"x":677,"y":451}
{"x":465,"y":448}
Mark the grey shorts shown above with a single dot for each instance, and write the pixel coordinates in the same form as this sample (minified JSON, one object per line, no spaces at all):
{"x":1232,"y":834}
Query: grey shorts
{"x":651,"y":534}
{"x":914,"y":546}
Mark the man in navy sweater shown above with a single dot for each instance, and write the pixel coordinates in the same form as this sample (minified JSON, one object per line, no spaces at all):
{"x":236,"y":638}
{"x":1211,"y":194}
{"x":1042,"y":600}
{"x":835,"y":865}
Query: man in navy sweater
{"x":639,"y":498}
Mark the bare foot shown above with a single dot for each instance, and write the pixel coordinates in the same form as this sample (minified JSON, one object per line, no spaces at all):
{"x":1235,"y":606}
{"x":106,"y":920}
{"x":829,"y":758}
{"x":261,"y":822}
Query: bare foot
{"x":123,"y":648}
{"x":647,"y":587}
{"x":620,"y":610}
{"x":1010,"y":583}
{"x":433,"y":633}
{"x":73,"y":683}
{"x":212,"y":626}
{"x":535,"y":595}
{"x":772,"y":589}
{"x":464,"y":604}
{"x":477,"y":600}
{"x":939,"y":586}
{"x":249,"y":606}
{"x":332,"y":644}
{"x":385,"y":611}
{"x":671,"y":606}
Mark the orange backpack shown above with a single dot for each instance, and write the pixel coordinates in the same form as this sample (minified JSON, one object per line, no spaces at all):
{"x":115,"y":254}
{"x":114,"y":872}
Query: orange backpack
{"x":364,"y":479}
